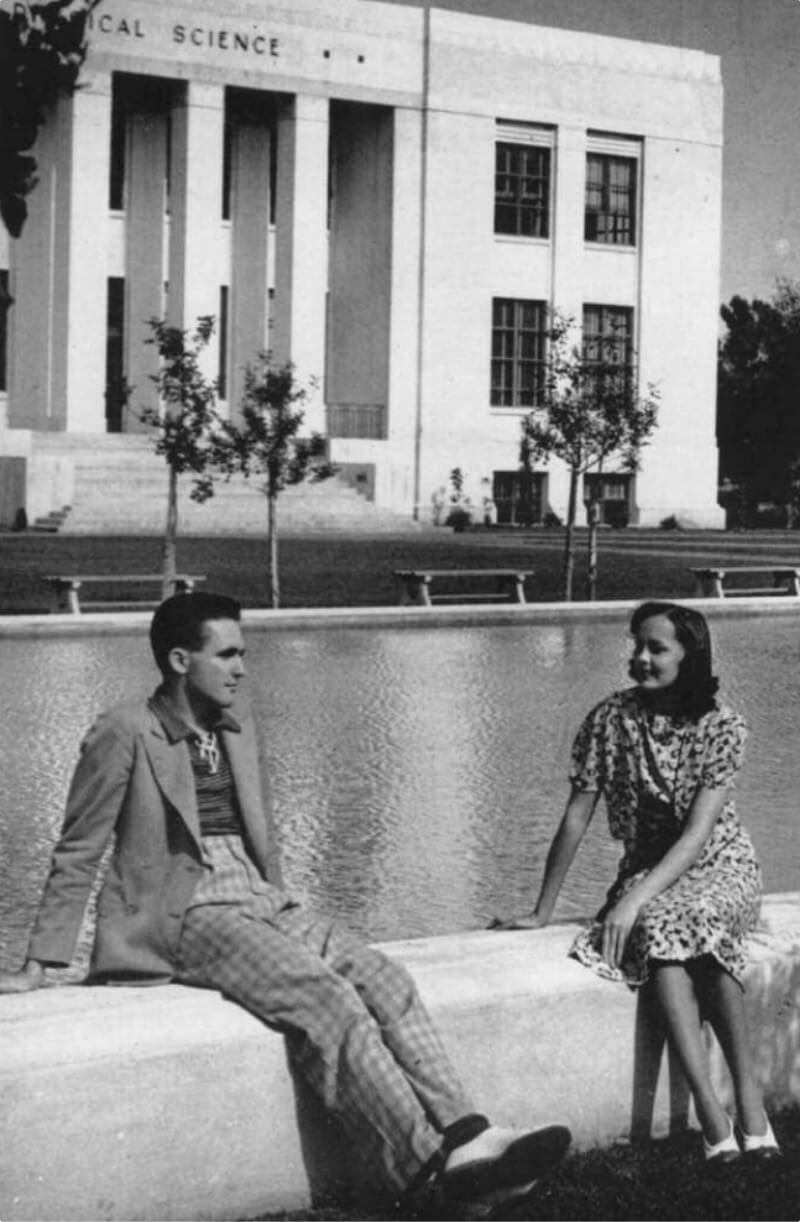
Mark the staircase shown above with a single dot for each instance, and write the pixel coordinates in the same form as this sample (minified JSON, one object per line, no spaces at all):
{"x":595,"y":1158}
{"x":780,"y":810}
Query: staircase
{"x":119,"y":486}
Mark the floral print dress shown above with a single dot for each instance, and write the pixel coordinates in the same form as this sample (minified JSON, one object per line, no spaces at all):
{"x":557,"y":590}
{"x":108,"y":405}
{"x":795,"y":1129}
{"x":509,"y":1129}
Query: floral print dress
{"x":649,"y":767}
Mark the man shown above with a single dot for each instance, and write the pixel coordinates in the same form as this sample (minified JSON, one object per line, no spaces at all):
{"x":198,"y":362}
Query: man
{"x":192,"y":893}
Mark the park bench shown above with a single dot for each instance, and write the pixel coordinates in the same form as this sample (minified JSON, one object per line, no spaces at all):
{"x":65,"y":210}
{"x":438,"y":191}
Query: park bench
{"x":711,"y":581}
{"x":508,"y":585}
{"x":67,"y":586}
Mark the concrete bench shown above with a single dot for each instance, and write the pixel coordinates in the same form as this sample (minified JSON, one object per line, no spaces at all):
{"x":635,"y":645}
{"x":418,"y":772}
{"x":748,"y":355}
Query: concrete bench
{"x":169,"y":1102}
{"x":66,"y":588}
{"x":509,"y":585}
{"x":710,"y":583}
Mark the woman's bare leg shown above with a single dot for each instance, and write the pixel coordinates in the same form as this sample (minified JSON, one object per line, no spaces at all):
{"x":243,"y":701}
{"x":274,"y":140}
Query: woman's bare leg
{"x":723,"y":1005}
{"x":675,"y":992}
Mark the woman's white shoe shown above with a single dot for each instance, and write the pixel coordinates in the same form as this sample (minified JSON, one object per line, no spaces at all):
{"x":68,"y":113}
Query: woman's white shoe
{"x":724,"y":1151}
{"x":764,"y":1145}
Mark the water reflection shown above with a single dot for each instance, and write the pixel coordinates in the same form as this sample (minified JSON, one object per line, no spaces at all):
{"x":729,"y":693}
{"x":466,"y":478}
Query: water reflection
{"x":417,"y":774}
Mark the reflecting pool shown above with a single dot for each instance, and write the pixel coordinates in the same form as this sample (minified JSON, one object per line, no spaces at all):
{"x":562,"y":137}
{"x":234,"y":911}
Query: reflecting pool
{"x":417,"y":773}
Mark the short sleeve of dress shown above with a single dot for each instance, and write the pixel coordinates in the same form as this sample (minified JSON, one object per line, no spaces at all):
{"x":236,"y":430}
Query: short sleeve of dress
{"x":726,"y":737}
{"x":587,"y":771}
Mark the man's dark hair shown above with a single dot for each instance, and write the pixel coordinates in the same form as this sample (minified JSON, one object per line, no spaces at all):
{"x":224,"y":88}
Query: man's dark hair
{"x":179,"y":622}
{"x":696,"y":686}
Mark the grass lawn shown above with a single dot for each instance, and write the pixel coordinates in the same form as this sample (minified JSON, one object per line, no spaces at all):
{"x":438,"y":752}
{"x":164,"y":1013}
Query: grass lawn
{"x":339,"y":571}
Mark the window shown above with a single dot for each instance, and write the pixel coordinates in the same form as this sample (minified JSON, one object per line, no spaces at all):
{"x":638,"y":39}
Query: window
{"x":522,"y":190}
{"x":519,"y":340}
{"x":222,"y":377}
{"x":119,"y":128}
{"x":610,"y":215}
{"x":520,"y":497}
{"x":612,"y":494}
{"x":608,"y":341}
{"x":116,"y":389}
{"x":6,"y":300}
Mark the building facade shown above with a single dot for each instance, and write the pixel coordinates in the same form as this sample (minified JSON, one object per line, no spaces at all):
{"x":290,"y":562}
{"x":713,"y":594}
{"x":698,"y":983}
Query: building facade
{"x":392,"y":199}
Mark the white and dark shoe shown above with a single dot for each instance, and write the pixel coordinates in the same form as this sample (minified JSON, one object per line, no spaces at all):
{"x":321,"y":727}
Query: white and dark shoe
{"x":762,"y":1146}
{"x":718,"y":1153}
{"x":501,"y":1165}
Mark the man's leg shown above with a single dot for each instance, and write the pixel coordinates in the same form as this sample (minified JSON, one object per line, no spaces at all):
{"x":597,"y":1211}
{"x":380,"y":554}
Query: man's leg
{"x":390,"y":995}
{"x":336,"y":1043}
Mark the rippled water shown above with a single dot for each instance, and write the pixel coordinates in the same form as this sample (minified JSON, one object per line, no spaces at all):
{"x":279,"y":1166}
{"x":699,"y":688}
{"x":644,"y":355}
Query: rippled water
{"x":417,"y":774}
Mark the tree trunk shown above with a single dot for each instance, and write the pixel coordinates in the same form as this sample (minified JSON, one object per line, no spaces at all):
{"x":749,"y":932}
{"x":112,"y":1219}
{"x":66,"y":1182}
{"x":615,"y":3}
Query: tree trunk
{"x":591,"y":571}
{"x":170,"y":535}
{"x":272,"y":551}
{"x":569,"y":538}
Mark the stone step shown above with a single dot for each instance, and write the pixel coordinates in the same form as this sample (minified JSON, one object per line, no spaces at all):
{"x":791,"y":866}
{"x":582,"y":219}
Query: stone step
{"x":119,"y":485}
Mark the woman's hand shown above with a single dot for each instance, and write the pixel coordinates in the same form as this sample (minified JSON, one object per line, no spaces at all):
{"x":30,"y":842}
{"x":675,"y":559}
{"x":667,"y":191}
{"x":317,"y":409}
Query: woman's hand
{"x":617,"y":928}
{"x":529,"y":920}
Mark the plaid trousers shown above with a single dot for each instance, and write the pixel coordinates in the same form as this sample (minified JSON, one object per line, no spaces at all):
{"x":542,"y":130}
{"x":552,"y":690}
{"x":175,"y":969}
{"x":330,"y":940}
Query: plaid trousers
{"x":358,"y":1032}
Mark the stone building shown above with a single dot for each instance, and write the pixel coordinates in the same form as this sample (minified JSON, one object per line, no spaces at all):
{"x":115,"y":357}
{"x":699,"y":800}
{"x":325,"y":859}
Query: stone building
{"x":391,"y":198}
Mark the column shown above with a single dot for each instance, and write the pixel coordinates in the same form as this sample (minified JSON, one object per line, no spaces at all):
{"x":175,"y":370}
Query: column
{"x":60,"y":271}
{"x":145,"y":237}
{"x":568,"y":263}
{"x":196,"y":211}
{"x":405,"y":299}
{"x":360,"y":255}
{"x":250,"y":159}
{"x":301,"y":243}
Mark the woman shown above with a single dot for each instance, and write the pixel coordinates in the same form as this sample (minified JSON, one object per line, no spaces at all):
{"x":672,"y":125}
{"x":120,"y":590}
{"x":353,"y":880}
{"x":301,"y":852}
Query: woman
{"x":664,"y":755}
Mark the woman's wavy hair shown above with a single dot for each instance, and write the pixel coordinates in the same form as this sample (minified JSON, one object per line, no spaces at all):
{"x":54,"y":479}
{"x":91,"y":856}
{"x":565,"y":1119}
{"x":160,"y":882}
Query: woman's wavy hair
{"x":696,"y":685}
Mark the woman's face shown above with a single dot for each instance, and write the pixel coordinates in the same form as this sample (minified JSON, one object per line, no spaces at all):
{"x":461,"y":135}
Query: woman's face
{"x":657,"y":654}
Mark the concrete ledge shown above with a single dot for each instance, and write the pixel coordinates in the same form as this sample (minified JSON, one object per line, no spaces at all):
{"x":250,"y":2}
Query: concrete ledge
{"x":171,"y":1103}
{"x":92,"y":623}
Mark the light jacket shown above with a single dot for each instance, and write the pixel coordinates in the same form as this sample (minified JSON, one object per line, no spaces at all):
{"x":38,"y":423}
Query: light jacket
{"x":134,"y":782}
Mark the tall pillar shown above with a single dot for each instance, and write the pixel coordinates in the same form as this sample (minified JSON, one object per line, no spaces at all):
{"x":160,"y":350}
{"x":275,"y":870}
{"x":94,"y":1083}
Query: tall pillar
{"x":301,"y":243}
{"x":406,"y":258}
{"x":60,"y":275}
{"x":249,"y":244}
{"x":144,"y":255}
{"x":196,"y":211}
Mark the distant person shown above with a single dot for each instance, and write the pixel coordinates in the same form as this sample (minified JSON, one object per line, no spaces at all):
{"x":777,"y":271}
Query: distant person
{"x":439,"y":503}
{"x":664,"y":755}
{"x":193,"y":894}
{"x":488,"y":503}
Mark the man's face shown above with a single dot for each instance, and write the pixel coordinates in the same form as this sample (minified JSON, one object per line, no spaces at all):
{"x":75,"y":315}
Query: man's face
{"x":212,"y":673}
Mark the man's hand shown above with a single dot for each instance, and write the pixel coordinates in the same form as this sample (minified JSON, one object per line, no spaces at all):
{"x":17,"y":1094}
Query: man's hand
{"x":528,"y":920}
{"x":25,"y":981}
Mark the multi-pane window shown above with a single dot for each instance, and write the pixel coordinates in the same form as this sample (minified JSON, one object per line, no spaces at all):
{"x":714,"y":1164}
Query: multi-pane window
{"x":519,"y":340}
{"x":610,"y":214}
{"x":608,"y":341}
{"x":613,"y":495}
{"x":522,"y":190}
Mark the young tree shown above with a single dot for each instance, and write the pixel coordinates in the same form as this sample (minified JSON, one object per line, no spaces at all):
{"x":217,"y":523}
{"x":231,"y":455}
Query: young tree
{"x":186,"y":425}
{"x":42,"y":49}
{"x":589,"y":411}
{"x":266,"y":442}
